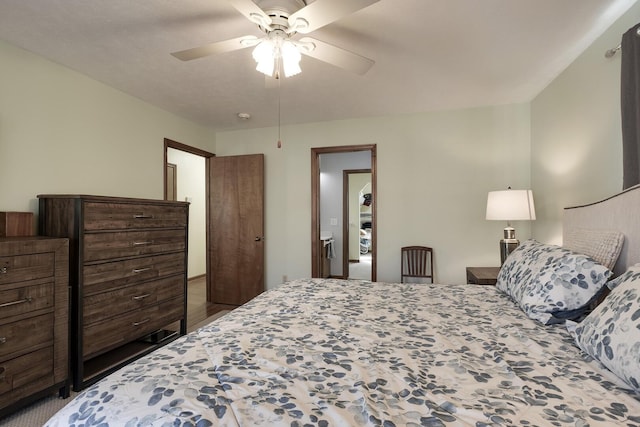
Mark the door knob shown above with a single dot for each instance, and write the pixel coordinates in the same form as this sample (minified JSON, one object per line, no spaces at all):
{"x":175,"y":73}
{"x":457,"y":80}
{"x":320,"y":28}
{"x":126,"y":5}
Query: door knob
{"x":258,"y":238}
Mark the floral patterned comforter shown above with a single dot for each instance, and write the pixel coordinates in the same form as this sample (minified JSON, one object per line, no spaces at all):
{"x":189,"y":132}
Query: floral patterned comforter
{"x":346,"y":353}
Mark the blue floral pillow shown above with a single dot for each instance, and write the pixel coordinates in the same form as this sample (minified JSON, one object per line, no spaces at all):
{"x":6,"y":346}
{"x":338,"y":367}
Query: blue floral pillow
{"x":516,"y":271}
{"x":551,"y":283}
{"x":611,"y":332}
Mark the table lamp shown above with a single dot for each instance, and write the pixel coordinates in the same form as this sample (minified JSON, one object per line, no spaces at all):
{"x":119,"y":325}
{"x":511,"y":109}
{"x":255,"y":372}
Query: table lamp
{"x":510,"y":205}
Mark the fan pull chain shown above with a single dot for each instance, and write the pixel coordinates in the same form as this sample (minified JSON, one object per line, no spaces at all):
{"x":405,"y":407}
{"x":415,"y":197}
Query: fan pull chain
{"x":279,"y":140}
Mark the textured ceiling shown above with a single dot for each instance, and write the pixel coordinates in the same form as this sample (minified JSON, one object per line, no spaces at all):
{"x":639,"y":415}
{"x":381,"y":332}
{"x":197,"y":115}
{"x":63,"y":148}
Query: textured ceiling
{"x":429,"y":54}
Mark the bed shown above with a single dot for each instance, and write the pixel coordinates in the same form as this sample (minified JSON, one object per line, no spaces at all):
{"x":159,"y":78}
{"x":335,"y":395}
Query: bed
{"x":328,"y":352}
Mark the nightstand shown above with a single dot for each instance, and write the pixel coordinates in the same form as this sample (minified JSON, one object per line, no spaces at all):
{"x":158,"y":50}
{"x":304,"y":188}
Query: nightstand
{"x":482,"y":275}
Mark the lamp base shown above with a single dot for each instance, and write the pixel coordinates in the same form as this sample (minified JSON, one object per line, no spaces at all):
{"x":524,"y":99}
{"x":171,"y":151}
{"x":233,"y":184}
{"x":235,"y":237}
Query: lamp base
{"x":506,"y":247}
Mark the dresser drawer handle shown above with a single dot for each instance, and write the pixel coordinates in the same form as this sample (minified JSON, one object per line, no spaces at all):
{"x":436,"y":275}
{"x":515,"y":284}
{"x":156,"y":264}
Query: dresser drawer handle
{"x":141,"y":270}
{"x":140,"y":323}
{"x":148,"y":242}
{"x":3,"y":340}
{"x":140,"y":297}
{"x":22,"y":301}
{"x":142,"y":216}
{"x":3,"y":270}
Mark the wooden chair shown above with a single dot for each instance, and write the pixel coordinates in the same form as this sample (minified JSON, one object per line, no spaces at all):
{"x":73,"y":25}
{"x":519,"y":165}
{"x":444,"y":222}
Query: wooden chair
{"x":417,"y":262}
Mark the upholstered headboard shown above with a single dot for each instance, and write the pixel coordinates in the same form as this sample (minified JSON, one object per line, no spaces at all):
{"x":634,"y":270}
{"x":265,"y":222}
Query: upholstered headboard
{"x":620,"y":212}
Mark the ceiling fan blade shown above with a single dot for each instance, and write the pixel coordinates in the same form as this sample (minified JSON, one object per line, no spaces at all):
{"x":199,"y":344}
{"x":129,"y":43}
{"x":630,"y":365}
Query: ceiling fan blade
{"x":323,"y":12}
{"x":253,"y":13}
{"x":337,"y":56}
{"x":217,"y":47}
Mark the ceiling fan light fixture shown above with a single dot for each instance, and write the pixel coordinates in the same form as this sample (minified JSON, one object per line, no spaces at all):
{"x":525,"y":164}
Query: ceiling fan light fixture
{"x":280,"y":20}
{"x":268,"y":52}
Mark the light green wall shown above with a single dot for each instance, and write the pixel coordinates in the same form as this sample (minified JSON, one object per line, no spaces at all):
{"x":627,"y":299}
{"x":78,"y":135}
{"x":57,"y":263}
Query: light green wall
{"x":61,"y":132}
{"x":434,"y":172}
{"x":576,"y":140}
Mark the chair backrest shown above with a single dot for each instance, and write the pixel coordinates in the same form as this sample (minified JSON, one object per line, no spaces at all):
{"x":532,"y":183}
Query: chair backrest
{"x":417,"y":262}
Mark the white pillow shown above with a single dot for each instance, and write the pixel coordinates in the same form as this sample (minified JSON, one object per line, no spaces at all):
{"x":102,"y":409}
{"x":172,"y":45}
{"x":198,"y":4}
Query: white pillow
{"x":603,"y":246}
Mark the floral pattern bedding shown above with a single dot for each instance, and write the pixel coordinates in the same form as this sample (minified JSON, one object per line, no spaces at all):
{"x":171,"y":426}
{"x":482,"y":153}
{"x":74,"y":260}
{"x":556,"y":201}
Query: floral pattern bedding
{"x":347,"y":353}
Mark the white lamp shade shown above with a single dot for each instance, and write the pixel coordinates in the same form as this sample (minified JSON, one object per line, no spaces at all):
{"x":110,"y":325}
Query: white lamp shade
{"x":511,"y":205}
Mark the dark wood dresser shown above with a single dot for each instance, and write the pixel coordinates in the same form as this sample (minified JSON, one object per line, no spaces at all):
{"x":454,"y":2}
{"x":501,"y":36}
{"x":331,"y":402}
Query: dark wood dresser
{"x":128,"y":275}
{"x":34,"y":309}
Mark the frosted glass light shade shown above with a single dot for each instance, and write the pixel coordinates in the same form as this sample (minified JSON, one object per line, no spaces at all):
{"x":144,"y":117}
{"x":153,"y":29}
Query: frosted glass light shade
{"x":269,"y":53}
{"x":290,"y":59}
{"x":264,"y":55}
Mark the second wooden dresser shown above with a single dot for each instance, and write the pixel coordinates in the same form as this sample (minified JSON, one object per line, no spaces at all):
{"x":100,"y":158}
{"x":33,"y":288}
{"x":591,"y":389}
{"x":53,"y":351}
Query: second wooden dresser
{"x":34,"y":306}
{"x":128,"y":276}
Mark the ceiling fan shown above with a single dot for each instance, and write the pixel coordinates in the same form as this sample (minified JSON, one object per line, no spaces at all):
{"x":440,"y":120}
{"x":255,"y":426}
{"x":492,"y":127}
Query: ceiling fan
{"x":281,"y":20}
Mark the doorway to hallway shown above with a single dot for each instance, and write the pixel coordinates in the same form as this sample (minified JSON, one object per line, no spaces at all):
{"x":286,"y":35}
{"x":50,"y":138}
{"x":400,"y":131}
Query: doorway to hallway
{"x":333,"y":221}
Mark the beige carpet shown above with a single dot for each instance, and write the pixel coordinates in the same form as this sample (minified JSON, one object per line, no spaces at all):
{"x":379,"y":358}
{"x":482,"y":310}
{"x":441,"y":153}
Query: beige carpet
{"x":36,"y":414}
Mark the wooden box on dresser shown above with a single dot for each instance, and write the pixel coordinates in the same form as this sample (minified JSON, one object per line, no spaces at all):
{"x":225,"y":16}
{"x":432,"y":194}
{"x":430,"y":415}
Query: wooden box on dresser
{"x":34,"y":309}
{"x":128,"y":276}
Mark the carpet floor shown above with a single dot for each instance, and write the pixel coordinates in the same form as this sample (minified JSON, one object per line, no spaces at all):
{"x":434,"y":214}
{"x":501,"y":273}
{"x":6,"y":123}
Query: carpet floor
{"x":38,"y":413}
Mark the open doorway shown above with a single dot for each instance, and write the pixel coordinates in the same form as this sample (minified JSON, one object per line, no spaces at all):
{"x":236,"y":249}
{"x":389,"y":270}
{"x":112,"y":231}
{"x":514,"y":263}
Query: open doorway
{"x":320,"y":222}
{"x":357,"y":224}
{"x":185,"y":179}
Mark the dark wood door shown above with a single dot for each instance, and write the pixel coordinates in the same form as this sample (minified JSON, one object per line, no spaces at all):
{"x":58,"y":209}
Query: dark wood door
{"x":236,"y":252}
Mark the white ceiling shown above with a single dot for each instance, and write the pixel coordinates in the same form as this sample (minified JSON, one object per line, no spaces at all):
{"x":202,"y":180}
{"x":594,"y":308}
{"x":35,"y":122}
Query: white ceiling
{"x":429,"y":54}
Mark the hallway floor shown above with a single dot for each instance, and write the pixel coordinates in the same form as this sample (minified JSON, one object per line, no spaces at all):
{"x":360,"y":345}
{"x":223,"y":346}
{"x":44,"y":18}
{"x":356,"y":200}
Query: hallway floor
{"x":361,"y":270}
{"x":198,"y":308}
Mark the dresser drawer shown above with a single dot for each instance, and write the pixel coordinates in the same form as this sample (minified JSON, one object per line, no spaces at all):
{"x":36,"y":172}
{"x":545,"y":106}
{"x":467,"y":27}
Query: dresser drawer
{"x":105,"y":305}
{"x":35,"y":368}
{"x":103,"y":336}
{"x":111,"y":275}
{"x":105,"y":246}
{"x":118,"y":216}
{"x":26,"y":299}
{"x":19,"y":268}
{"x":23,"y":335}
